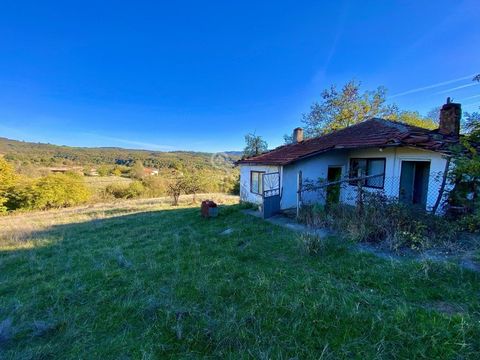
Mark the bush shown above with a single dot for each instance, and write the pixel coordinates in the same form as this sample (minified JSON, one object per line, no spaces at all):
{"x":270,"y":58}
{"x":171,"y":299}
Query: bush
{"x":382,"y":219}
{"x":117,"y":172}
{"x":51,"y":191}
{"x":155,"y":186}
{"x":104,"y":170}
{"x":7,"y":180}
{"x":120,"y":191}
{"x":137,"y":170}
{"x":470,"y":223}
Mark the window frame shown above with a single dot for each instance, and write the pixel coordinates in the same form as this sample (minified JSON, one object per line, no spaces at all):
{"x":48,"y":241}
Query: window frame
{"x":260,"y":175}
{"x":368,"y":160}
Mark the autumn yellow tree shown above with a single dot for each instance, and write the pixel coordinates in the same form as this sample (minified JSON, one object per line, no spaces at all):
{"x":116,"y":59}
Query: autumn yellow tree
{"x":7,"y":180}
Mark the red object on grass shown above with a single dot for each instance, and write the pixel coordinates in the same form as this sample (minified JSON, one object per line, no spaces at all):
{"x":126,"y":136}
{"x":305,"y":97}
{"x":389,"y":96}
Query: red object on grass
{"x":206,"y":206}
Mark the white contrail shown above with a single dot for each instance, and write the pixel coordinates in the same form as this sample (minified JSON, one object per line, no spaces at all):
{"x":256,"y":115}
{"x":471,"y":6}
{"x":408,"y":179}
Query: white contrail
{"x":470,"y":97}
{"x":428,"y":87}
{"x":475,"y":103}
{"x":456,"y":88}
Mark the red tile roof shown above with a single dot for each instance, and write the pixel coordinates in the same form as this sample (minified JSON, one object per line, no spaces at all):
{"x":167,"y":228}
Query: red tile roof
{"x":371,"y":133}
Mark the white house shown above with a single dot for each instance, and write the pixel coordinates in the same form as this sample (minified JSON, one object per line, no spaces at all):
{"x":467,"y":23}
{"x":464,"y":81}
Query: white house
{"x":398,"y":160}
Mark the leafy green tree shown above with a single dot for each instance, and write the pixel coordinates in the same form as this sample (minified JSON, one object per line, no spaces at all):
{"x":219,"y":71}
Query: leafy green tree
{"x":7,"y":180}
{"x":254,"y":145}
{"x":350,"y":105}
{"x":345,"y":107}
{"x":466,"y":172}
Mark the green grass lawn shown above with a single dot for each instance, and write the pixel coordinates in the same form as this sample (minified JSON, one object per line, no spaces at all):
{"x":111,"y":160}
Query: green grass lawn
{"x":165,"y":283}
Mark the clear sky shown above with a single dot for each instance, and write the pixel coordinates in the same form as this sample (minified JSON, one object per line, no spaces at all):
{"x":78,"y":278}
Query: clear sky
{"x":198,"y":75}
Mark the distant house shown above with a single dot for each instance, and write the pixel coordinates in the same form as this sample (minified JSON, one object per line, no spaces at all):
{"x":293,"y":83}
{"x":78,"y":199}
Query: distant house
{"x":150,"y":172}
{"x":93,"y":172}
{"x":59,"y":169}
{"x":64,"y":169}
{"x":398,"y":160}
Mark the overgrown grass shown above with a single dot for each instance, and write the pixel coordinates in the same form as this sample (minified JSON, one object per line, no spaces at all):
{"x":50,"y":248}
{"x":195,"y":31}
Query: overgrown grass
{"x":386,"y":221}
{"x":165,"y":283}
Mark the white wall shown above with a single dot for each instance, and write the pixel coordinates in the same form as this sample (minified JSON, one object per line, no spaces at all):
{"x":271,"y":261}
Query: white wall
{"x":393,"y":166}
{"x":312,"y":169}
{"x":317,"y":168}
{"x":245,"y":194}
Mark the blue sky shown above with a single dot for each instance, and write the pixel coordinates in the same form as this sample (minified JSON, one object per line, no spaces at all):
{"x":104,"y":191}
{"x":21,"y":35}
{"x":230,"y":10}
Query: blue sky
{"x":198,"y":75}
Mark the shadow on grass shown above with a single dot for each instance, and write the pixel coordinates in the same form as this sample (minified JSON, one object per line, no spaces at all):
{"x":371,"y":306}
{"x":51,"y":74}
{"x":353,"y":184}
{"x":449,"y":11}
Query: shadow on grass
{"x":129,"y":220}
{"x":169,"y":283}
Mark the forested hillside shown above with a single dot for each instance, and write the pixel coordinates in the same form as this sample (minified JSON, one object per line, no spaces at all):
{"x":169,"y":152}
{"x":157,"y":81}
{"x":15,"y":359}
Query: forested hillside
{"x":31,"y":178}
{"x":26,"y":153}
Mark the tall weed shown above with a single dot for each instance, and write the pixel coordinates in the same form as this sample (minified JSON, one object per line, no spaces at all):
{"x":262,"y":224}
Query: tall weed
{"x":382,"y":220}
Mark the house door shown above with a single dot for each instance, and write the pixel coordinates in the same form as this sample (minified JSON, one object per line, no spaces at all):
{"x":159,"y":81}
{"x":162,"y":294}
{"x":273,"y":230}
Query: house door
{"x":271,"y":194}
{"x":414,"y":179}
{"x":333,"y":191}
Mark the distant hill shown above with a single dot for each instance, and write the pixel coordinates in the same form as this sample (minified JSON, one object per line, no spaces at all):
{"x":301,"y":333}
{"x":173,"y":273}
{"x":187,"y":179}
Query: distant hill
{"x":237,"y":154}
{"x":38,"y":154}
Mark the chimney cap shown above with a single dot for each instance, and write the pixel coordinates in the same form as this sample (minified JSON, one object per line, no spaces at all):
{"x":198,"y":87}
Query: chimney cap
{"x":297,"y":135}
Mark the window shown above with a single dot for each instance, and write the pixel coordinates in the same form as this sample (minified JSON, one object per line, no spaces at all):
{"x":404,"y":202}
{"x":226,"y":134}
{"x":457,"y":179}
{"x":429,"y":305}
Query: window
{"x":368,"y":167}
{"x":256,"y":183}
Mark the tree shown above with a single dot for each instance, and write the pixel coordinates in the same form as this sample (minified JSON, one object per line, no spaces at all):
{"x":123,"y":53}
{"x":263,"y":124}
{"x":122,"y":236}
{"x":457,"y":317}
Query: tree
{"x":137,"y":170}
{"x":7,"y":180}
{"x":414,"y":118}
{"x":342,"y":108}
{"x":192,"y":184}
{"x":466,"y":172}
{"x":472,"y":126}
{"x":255,"y":145}
{"x":472,"y":122}
{"x":175,"y":188}
{"x":349,"y":106}
{"x":434,"y":114}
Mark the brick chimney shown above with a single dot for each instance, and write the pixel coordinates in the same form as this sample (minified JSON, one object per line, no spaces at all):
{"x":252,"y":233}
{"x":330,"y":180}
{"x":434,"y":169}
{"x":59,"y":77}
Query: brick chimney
{"x":450,"y":116}
{"x":297,"y":135}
